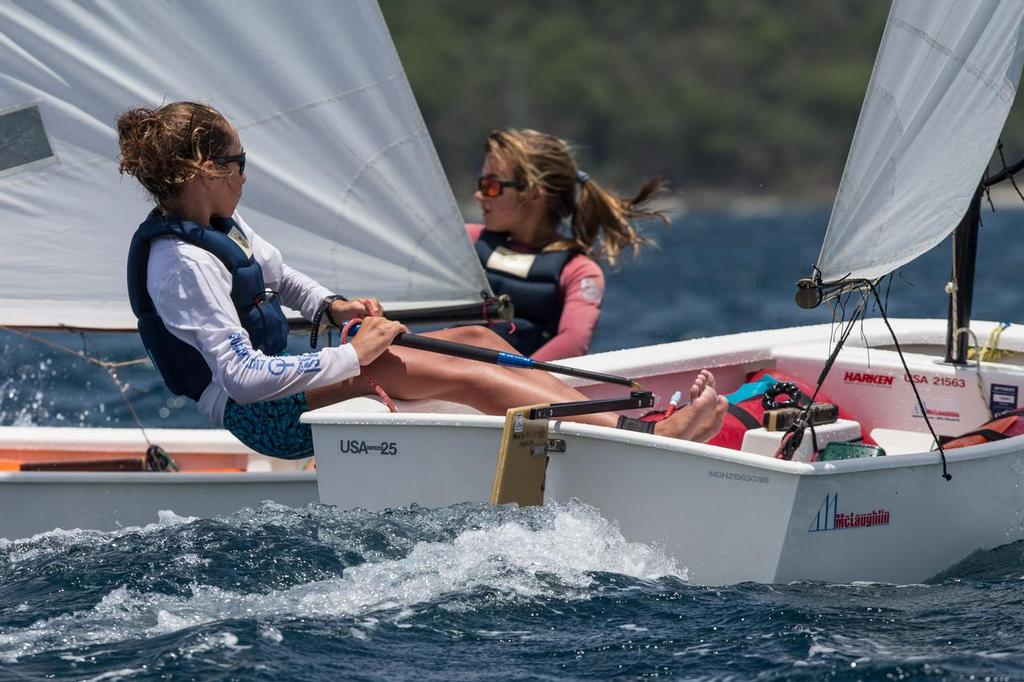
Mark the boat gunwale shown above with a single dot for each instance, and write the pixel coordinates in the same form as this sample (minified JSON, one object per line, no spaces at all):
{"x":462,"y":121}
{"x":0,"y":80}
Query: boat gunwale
{"x":758,"y":346}
{"x":673,"y":445}
{"x":156,"y":477}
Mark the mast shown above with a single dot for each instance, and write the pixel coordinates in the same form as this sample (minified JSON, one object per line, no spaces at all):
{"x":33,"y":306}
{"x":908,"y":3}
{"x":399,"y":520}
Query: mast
{"x":965,"y":253}
{"x":961,"y":281}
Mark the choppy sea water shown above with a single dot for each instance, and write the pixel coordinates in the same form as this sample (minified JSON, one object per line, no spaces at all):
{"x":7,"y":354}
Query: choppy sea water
{"x":474,"y":592}
{"x":469,"y":592}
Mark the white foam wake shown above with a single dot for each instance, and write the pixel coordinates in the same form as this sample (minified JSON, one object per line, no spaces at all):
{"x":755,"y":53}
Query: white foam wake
{"x":556,"y":559}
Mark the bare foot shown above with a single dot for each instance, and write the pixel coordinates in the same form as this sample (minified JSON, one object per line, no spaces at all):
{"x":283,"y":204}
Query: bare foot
{"x":702,"y":418}
{"x":713,"y":424}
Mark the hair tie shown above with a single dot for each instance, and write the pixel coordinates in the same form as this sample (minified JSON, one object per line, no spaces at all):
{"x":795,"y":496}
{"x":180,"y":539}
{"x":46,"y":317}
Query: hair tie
{"x":582,"y":177}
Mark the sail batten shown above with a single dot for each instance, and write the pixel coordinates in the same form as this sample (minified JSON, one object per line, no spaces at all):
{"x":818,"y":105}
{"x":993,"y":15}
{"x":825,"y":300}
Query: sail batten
{"x":342,"y":175}
{"x":941,"y":88}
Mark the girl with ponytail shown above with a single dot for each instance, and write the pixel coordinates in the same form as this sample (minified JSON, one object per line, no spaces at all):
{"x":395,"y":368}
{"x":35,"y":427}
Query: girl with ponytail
{"x":207,"y":291}
{"x":529,"y":188}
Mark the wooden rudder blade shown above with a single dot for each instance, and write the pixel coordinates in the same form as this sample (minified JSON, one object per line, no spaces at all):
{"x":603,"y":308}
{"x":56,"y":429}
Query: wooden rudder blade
{"x":522,"y":460}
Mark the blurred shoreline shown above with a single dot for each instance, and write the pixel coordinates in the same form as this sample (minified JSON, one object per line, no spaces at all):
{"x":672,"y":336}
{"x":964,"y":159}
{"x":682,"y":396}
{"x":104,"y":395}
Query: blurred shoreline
{"x":679,"y":204}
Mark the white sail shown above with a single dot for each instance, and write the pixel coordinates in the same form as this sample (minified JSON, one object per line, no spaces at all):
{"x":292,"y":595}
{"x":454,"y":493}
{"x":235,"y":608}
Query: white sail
{"x":341,"y":175}
{"x":944,"y":79}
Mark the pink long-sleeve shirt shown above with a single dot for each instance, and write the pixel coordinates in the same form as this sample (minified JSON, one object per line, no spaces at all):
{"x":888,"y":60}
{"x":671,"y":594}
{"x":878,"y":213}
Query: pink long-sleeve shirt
{"x":582,"y":288}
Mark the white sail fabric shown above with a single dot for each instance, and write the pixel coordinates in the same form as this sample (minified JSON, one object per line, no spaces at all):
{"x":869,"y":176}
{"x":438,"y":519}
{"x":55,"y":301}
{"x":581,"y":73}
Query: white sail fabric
{"x":341,"y":173}
{"x":944,"y":79}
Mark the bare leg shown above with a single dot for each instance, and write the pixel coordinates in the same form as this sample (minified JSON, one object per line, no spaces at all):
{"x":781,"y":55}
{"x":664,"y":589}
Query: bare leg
{"x":410,"y":374}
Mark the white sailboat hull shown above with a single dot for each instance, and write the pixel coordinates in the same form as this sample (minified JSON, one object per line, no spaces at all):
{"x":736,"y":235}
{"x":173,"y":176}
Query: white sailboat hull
{"x":728,"y":515}
{"x":106,"y":501}
{"x":219,"y":476}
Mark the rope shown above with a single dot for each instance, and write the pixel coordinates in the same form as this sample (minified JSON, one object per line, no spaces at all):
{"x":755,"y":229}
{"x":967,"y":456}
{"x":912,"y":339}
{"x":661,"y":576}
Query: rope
{"x":924,"y":411}
{"x":975,"y":352}
{"x":377,"y":388}
{"x":157,"y":458}
{"x":991,"y":352}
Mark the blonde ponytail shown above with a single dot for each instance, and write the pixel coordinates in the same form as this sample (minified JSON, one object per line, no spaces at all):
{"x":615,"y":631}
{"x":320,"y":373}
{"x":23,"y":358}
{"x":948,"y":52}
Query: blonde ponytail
{"x":601,"y":223}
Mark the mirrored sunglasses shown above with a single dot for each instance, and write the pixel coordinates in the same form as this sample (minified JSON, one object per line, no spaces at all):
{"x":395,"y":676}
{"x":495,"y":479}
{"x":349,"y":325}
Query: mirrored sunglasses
{"x":492,"y":186}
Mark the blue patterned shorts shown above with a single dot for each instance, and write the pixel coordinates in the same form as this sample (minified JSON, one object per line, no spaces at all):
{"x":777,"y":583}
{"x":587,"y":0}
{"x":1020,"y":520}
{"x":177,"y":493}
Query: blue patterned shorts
{"x":272,"y":427}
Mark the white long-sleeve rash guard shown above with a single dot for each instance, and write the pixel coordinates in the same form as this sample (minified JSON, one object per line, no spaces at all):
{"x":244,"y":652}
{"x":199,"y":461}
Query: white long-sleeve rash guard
{"x":191,"y":290}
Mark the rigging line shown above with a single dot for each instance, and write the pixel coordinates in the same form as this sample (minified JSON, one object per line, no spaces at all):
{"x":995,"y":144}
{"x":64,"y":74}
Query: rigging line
{"x":86,"y":341}
{"x":984,"y":180}
{"x":111,"y":367}
{"x":1013,"y":183}
{"x":858,"y":311}
{"x":794,"y":434}
{"x":913,"y":385}
{"x":864,"y":336}
{"x":840,"y":306}
{"x":1007,"y":171}
{"x":832,"y":328}
{"x":80,"y":354}
{"x":840,"y":312}
{"x":122,"y":389}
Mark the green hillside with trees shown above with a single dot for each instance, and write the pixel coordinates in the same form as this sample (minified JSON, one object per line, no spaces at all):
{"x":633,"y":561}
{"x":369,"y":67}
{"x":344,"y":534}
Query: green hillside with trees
{"x":720,"y":97}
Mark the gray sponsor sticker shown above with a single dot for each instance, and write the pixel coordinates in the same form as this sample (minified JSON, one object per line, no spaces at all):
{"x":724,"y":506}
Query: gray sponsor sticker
{"x":1002,"y":397}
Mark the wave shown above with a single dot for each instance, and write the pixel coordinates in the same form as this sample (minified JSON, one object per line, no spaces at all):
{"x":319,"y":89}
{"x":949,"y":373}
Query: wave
{"x":182,"y":573}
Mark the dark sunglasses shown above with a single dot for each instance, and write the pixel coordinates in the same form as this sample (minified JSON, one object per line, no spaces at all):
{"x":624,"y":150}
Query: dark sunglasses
{"x":237,"y":158}
{"x":491,"y":186}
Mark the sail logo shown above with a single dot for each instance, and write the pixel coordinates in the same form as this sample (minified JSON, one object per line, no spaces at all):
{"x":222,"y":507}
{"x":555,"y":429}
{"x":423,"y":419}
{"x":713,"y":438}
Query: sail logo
{"x":867,"y":378}
{"x":830,"y":518}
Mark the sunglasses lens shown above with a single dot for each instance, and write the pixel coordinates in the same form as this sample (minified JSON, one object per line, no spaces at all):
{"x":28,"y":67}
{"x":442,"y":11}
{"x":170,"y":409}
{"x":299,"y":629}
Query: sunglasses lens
{"x":489,"y":187}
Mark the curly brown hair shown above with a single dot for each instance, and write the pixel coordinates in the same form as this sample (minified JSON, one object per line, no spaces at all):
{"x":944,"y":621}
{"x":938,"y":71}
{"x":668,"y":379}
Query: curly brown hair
{"x":601,"y":222}
{"x":164,"y":148}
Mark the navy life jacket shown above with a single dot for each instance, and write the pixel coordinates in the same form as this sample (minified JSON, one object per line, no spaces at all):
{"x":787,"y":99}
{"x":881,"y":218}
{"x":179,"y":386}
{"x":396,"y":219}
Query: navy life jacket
{"x":182,"y":367}
{"x":534,"y":287}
